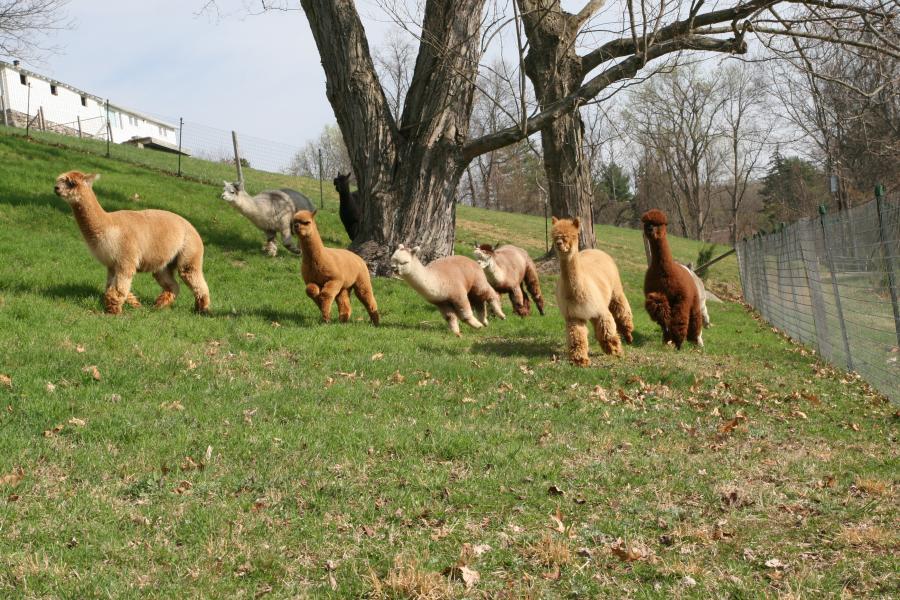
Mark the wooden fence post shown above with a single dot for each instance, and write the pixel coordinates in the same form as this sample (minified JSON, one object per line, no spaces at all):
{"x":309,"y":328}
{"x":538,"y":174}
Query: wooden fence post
{"x":834,"y":286}
{"x":237,"y":159}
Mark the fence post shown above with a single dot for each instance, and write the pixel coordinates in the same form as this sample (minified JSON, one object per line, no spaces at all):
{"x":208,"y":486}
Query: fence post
{"x":3,"y":110}
{"x":834,"y":286}
{"x":180,"y":129}
{"x":237,"y":159}
{"x":79,"y":126}
{"x":814,"y":283}
{"x":108,"y":129}
{"x":888,"y":257}
{"x":321,"y":179}
{"x":28,"y":112}
{"x":40,"y":115}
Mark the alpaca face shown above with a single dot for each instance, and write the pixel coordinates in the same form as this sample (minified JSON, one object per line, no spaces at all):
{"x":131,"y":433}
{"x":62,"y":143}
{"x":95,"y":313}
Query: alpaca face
{"x":342,"y":182}
{"x":565,"y":235}
{"x":402,"y":260}
{"x":230,"y":192}
{"x":484,"y":256}
{"x":303,"y":224}
{"x":68,"y":185}
{"x":654,"y":224}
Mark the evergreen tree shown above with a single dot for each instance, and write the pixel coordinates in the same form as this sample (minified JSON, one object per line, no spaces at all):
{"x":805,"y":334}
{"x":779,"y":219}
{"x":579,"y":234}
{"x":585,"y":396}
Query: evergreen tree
{"x":792,"y":188}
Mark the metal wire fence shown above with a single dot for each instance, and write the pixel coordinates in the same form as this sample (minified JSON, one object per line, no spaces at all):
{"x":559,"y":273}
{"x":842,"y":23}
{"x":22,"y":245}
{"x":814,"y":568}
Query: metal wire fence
{"x":832,"y":283}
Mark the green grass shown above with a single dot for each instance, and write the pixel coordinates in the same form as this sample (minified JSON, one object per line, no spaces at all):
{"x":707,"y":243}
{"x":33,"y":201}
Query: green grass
{"x":348,"y":460}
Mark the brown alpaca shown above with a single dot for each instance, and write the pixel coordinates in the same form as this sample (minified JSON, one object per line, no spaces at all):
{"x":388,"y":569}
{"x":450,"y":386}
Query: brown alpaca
{"x":131,"y":241}
{"x":455,"y":284}
{"x":510,"y":270}
{"x":671,"y":296}
{"x":589,"y":289}
{"x":330,"y":273}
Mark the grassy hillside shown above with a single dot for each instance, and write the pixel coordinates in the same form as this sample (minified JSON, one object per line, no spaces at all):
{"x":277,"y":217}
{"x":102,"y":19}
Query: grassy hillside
{"x":260,"y":453}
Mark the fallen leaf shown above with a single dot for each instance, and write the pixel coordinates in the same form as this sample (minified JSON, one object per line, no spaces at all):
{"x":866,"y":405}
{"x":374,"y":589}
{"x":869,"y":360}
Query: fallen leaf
{"x":183,"y":487}
{"x":557,"y":522}
{"x":77,"y":422}
{"x":554,"y":491}
{"x":93,"y":370}
{"x":480,"y":549}
{"x":629,"y":551}
{"x":13,"y":478}
{"x":207,"y":458}
{"x":54,"y":431}
{"x":774,"y":563}
{"x":553,"y":574}
{"x":378,"y":356}
{"x":396,"y":377}
{"x":79,"y":348}
{"x":248,"y":414}
{"x":462,"y":573}
{"x":468,"y":400}
{"x":6,"y":380}
{"x":688,"y":581}
{"x":174,"y":405}
{"x":50,"y":387}
{"x":600,"y":393}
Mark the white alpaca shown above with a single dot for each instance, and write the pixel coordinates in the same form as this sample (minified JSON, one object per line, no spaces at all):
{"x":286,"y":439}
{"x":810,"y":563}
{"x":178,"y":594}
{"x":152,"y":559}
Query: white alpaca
{"x":455,"y":284}
{"x":701,"y":289}
{"x":271,"y":211}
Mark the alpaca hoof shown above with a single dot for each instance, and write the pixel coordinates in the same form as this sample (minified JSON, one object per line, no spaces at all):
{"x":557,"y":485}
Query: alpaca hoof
{"x":343,"y":318}
{"x":201,"y":306}
{"x":581,"y":361}
{"x":133,"y":301}
{"x":628,"y":337}
{"x":376,"y":318}
{"x":700,"y":341}
{"x":164,"y":300}
{"x":270,"y":249}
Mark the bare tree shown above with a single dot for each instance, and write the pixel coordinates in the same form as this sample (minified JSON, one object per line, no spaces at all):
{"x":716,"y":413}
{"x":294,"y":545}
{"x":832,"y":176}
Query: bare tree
{"x":24,"y":24}
{"x":394,"y":61}
{"x":408,"y":165}
{"x":333,"y":152}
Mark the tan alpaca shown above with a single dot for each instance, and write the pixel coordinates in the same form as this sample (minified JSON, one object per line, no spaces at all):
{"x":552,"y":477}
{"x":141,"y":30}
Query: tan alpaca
{"x":589,"y":289}
{"x":132,"y":241}
{"x":509,"y":269}
{"x":330,"y":273}
{"x":455,"y":284}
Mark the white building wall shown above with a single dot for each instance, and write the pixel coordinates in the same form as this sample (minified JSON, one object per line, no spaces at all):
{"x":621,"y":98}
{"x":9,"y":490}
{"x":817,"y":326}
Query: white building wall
{"x":67,"y":105}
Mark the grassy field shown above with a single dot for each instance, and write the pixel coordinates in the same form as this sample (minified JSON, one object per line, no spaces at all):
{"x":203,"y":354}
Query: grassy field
{"x":259,"y":453}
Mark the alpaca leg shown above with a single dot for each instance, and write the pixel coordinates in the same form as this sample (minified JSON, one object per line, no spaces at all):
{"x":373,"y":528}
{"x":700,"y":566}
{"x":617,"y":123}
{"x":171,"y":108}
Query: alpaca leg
{"x":118,"y":290}
{"x":165,"y":277}
{"x":192,"y":274}
{"x":449,"y":314}
{"x":577,"y":334}
{"x":695,"y":326}
{"x":270,"y":247}
{"x":313,"y":290}
{"x":329,"y":291}
{"x":497,"y":308}
{"x":344,"y":308}
{"x":131,"y":299}
{"x":705,"y":314}
{"x":363,"y":291}
{"x":678,"y":324}
{"x":621,"y":312}
{"x":288,"y":240}
{"x":534,"y":287}
{"x":479,"y":308}
{"x":464,"y":312}
{"x":519,"y":302}
{"x":605,"y":332}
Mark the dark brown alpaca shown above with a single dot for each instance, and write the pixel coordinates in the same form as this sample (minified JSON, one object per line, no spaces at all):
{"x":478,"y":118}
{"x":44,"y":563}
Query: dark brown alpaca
{"x":671,"y":297}
{"x":350,"y":209}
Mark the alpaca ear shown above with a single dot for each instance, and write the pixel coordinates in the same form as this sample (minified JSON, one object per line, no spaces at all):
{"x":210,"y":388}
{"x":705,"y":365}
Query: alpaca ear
{"x":554,"y":220}
{"x":90,"y":178}
{"x":415,"y":250}
{"x":401,"y":247}
{"x":576,"y":222}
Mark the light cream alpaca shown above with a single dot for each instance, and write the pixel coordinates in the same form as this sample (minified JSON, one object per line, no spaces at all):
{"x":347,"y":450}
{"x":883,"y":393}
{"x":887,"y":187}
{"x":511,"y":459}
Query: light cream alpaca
{"x":330,"y":273}
{"x":589,"y":289}
{"x":130,"y":241}
{"x":509,"y":269}
{"x":455,"y":284}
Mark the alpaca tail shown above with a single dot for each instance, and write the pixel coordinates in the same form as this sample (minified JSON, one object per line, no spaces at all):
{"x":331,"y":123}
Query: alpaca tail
{"x":533,"y":285}
{"x":657,"y":306}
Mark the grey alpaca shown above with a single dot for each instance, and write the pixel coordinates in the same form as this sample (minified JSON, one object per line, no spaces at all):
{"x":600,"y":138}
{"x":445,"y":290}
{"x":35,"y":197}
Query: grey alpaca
{"x":270,"y":211}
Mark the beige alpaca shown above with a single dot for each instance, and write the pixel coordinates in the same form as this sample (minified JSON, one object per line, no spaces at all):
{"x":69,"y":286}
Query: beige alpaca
{"x":455,"y":284}
{"x":330,"y":273}
{"x":589,"y":289}
{"x":130,"y":241}
{"x":510,"y":270}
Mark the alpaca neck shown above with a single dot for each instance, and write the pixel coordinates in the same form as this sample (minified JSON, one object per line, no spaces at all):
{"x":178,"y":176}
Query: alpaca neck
{"x":312,"y":247}
{"x":421,"y":279}
{"x":89,"y":215}
{"x":495,"y":272}
{"x":660,"y":255}
{"x":244,"y":202}
{"x":570,"y":270}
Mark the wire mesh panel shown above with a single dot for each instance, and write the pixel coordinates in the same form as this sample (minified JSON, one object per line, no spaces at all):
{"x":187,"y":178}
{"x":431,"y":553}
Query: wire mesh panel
{"x":832,"y":283}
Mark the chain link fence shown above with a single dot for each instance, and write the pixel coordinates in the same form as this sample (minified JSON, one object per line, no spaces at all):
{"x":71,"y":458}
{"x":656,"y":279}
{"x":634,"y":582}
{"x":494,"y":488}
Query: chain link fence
{"x":832,"y":283}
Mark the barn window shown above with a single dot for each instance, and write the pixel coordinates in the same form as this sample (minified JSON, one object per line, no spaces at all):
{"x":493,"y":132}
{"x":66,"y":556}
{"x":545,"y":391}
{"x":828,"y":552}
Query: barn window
{"x":53,"y":89}
{"x":83,"y":100}
{"x":23,"y":79}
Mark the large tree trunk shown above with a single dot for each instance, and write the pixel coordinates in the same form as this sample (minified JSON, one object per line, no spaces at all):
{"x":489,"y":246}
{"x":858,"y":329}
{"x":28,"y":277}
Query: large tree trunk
{"x":407,"y":172}
{"x":555,"y":71}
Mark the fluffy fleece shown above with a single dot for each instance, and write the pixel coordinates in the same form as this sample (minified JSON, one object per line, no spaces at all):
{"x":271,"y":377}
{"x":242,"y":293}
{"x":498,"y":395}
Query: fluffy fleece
{"x":330,"y":273}
{"x":349,"y":209}
{"x":455,"y":284}
{"x":589,"y":289}
{"x":271,"y":211}
{"x":129,"y":241}
{"x":671,"y":296}
{"x":701,"y":292}
{"x":510,"y":270}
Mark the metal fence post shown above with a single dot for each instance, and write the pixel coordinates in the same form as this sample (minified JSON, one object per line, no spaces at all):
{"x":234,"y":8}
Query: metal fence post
{"x":108,"y":129}
{"x":888,"y":257}
{"x":180,"y":131}
{"x":321,"y":179}
{"x":237,"y":159}
{"x":837,"y":295}
{"x":28,"y":112}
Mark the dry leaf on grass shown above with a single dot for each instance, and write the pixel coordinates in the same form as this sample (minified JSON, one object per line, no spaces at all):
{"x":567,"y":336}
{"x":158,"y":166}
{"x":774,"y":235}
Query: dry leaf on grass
{"x":93,"y":370}
{"x":77,"y":422}
{"x":13,"y":478}
{"x":50,"y":387}
{"x":54,"y":431}
{"x":630,"y":551}
{"x":396,"y":377}
{"x":469,"y":577}
{"x":774,"y":563}
{"x":558,"y":524}
{"x":5,"y":380}
{"x":378,"y":356}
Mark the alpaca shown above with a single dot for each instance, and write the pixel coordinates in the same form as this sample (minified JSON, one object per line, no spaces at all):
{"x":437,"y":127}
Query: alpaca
{"x":350,"y":209}
{"x":130,"y":241}
{"x":455,"y":284}
{"x":330,"y":273}
{"x":270,"y":211}
{"x":671,"y":296}
{"x":589,"y":289}
{"x":701,"y":292}
{"x":510,"y":270}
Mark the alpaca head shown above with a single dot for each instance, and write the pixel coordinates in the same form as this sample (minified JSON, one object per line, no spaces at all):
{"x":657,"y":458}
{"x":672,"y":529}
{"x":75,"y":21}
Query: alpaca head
{"x":565,"y":235}
{"x":342,"y":182}
{"x":654,"y":224}
{"x":403,"y":259}
{"x":484,"y":255}
{"x":69,"y":186}
{"x":303,"y":223}
{"x":231,"y":190}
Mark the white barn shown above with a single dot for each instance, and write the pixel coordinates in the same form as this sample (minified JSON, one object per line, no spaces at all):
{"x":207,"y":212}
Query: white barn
{"x":57,"y":106}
